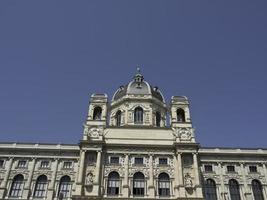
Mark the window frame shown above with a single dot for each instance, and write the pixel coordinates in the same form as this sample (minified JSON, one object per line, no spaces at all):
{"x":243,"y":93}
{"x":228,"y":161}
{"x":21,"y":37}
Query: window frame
{"x":163,"y":158}
{"x":139,"y":185}
{"x":44,"y":167}
{"x":139,"y":115}
{"x":67,"y":187}
{"x":113,"y":184}
{"x":253,"y":169}
{"x":40,"y":188}
{"x":65,"y":167}
{"x":137,"y":163}
{"x":19,"y":166}
{"x":229,"y":170}
{"x":17,"y":186}
{"x":208,"y":168}
{"x":114,"y":157}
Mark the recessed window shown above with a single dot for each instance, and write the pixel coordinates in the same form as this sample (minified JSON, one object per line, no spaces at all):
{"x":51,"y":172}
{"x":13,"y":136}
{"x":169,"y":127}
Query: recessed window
{"x":208,"y":168}
{"x":44,"y":164}
{"x":113,"y":184}
{"x":163,"y":161}
{"x":252,"y":168}
{"x":180,"y":115}
{"x":97,"y":113}
{"x":91,"y":158}
{"x":164,"y":185}
{"x":22,"y":163}
{"x":138,"y":115}
{"x":230,"y":168}
{"x":2,"y":163}
{"x":67,"y":165}
{"x":17,"y":186}
{"x":158,"y":119}
{"x":118,"y":118}
{"x":114,"y":160}
{"x":138,"y":161}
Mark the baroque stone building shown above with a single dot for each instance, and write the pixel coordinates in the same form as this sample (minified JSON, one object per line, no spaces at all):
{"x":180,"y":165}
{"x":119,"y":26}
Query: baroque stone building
{"x":136,"y":147}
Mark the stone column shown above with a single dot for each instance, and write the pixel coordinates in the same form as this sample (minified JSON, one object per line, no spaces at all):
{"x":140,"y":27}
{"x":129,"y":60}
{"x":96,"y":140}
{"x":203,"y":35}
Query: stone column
{"x":126,"y":177}
{"x":199,"y":192}
{"x":97,"y":168}
{"x":151,"y":188}
{"x":27,"y":188}
{"x":3,"y":185}
{"x":80,"y":175}
{"x":180,"y":169}
{"x":81,"y":167}
{"x":195,"y":160}
{"x":51,"y":191}
{"x":181,"y":192}
{"x":96,"y":183}
{"x":176,"y":176}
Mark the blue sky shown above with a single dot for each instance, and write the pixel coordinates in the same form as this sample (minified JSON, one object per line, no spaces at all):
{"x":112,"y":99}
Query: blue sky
{"x":55,"y":54}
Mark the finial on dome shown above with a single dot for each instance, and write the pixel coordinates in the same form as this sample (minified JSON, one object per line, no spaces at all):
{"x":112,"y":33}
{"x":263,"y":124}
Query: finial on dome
{"x":138,"y":69}
{"x":138,"y":76}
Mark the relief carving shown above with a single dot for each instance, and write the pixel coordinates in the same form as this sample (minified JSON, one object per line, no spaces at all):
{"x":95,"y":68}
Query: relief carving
{"x":89,"y":179}
{"x":188,"y":181}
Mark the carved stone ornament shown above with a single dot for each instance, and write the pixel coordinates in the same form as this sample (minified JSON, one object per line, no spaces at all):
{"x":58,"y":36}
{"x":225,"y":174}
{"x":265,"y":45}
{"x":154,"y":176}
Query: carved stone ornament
{"x":95,"y":132}
{"x":188,"y":181}
{"x":185,"y":134}
{"x":89,"y":179}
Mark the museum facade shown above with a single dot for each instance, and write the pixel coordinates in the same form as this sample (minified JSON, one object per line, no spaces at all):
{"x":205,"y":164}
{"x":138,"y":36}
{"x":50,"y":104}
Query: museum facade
{"x":135,"y":147}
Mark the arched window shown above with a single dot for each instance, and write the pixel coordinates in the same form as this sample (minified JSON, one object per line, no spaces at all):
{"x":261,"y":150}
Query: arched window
{"x":257,"y":190}
{"x":138,"y":115}
{"x":118,"y":118}
{"x":180,"y":115}
{"x":97,"y":113}
{"x":158,"y":119}
{"x":164,"y":185}
{"x":234,"y":190}
{"x":17,"y":186}
{"x":40,"y":187}
{"x":210,"y":190}
{"x":138,"y":184}
{"x":113,"y":183}
{"x":64,"y":190}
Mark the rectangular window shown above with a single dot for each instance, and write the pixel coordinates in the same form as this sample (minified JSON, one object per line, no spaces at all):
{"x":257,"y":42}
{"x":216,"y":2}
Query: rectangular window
{"x":208,"y":168}
{"x":114,"y":160}
{"x":1,"y":163}
{"x":230,"y":168}
{"x":22,"y":163}
{"x":67,"y":165}
{"x":163,"y":161}
{"x":138,"y":161}
{"x":44,"y":164}
{"x":252,"y":168}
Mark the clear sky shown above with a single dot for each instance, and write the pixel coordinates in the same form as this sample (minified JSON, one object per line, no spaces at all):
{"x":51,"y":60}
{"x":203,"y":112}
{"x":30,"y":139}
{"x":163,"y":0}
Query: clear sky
{"x":55,"y":54}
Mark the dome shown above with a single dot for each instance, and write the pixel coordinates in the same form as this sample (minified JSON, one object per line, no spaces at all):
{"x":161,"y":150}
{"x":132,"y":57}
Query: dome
{"x":138,"y":87}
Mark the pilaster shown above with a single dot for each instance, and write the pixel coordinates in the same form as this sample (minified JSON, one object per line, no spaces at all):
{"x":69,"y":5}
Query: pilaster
{"x":51,"y":188}
{"x":125,"y":186}
{"x":27,"y":188}
{"x":3,"y":186}
{"x":151,"y":187}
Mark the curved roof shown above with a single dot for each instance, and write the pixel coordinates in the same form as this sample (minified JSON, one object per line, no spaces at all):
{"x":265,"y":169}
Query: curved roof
{"x":138,"y":87}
